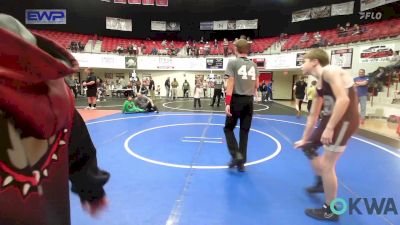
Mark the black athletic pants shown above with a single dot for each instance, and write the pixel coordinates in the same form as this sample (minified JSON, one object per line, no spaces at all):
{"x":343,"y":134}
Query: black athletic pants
{"x":217,"y":93}
{"x":241,"y":108}
{"x":198,"y":101}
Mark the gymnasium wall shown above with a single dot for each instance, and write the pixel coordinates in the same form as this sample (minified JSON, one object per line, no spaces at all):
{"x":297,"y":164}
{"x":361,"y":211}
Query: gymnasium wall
{"x":282,"y":82}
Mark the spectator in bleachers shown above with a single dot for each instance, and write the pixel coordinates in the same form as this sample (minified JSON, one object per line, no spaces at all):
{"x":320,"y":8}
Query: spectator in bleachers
{"x":193,"y":49}
{"x":323,"y":42}
{"x":216,"y":43}
{"x":251,"y":44}
{"x":206,"y":49}
{"x":154,"y":50}
{"x":163,"y":43}
{"x":135,"y":49}
{"x":120,"y":49}
{"x":73,"y":46}
{"x":142,"y":48}
{"x":348,"y":25}
{"x":317,"y":37}
{"x":249,"y":40}
{"x":356,"y":29}
{"x":172,"y":45}
{"x":304,"y":38}
{"x":81,"y":46}
{"x":242,"y":37}
{"x":341,"y":31}
{"x":174,"y":50}
{"x":196,"y":51}
{"x":188,"y":48}
{"x":130,"y":49}
{"x":282,"y":37}
{"x":226,"y":45}
{"x":201,"y":50}
{"x":202,"y":40}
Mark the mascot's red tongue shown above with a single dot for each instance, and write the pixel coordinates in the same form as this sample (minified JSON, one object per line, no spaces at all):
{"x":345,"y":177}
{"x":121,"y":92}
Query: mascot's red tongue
{"x":32,"y":88}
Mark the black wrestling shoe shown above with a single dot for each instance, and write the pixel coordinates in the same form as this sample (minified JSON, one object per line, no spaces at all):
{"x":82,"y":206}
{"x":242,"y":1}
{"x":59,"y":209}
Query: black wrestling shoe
{"x":232,"y":164}
{"x":241,"y":168}
{"x":323,"y":213}
{"x":317,"y":188}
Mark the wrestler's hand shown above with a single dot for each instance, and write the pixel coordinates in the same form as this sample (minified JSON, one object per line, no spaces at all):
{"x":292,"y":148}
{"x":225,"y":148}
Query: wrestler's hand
{"x":95,"y":207}
{"x":327,"y":136}
{"x":228,"y":110}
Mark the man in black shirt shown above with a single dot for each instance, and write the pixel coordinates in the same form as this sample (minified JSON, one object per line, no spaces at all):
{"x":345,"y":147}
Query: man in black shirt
{"x":91,"y":88}
{"x":218,"y":84}
{"x":152,"y":88}
{"x":167,"y":85}
{"x":299,"y":91}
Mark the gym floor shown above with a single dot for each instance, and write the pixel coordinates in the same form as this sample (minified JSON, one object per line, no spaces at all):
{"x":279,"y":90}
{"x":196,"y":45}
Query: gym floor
{"x":170,"y":168}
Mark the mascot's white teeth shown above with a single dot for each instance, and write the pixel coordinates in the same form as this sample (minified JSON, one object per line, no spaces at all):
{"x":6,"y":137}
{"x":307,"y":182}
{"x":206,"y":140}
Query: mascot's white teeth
{"x":25,"y":189}
{"x":45,"y":173}
{"x":62,"y":142}
{"x":7,"y":181}
{"x":54,"y":157}
{"x":36,"y":174}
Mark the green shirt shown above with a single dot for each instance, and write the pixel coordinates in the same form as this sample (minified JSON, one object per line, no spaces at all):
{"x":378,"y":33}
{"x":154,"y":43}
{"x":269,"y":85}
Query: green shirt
{"x":130,"y":107}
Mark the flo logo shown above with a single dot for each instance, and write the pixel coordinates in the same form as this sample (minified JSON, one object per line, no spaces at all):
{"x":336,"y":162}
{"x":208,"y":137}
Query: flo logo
{"x":370,"y":15}
{"x":372,"y":206}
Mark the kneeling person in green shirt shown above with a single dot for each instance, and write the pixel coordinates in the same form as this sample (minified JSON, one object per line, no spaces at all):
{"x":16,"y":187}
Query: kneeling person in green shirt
{"x":130,"y":107}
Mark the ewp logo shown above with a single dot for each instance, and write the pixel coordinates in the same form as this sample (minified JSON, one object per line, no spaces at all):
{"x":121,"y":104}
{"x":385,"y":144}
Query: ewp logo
{"x":45,"y":16}
{"x":385,"y":206}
